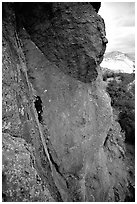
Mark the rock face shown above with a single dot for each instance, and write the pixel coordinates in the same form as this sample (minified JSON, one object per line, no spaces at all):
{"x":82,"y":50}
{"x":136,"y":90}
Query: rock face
{"x":72,"y":35}
{"x":55,"y":103}
{"x":20,"y":180}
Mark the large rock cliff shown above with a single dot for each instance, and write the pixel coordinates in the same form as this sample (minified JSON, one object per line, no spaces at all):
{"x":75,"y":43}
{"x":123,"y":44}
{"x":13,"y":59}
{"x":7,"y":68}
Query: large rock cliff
{"x":59,"y":131}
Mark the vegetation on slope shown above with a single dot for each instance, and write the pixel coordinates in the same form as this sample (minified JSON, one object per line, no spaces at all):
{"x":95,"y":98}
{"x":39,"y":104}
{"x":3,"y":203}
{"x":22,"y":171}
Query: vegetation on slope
{"x":121,"y":88}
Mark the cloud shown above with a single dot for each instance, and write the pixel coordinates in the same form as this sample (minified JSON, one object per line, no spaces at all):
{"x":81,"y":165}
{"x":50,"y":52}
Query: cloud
{"x":120,"y":25}
{"x":126,"y":21}
{"x":124,"y":41}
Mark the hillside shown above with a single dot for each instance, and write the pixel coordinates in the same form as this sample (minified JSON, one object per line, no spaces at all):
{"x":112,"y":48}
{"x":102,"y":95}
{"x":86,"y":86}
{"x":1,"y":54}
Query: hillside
{"x":118,"y":62}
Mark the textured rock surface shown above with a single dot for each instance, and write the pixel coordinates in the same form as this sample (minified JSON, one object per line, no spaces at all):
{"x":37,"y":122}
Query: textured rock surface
{"x":71,"y":35}
{"x":55,"y":108}
{"x":77,"y":115}
{"x":21,"y":182}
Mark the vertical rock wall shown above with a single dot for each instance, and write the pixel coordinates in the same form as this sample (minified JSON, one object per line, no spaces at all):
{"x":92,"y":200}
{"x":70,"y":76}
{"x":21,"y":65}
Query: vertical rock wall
{"x":51,"y":57}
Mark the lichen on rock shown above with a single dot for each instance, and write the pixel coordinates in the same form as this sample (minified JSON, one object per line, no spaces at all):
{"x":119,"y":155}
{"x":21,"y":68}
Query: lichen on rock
{"x":21,"y":182}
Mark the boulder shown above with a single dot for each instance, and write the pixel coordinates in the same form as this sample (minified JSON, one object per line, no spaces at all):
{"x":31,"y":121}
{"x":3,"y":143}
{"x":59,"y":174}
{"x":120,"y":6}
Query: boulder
{"x":72,"y":35}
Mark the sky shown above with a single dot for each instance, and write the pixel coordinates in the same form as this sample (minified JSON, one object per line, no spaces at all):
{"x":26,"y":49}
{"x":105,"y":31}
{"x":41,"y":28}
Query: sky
{"x":120,"y":25}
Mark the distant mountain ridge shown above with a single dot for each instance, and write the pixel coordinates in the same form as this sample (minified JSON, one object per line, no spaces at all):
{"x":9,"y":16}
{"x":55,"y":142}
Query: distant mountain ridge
{"x":118,"y":62}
